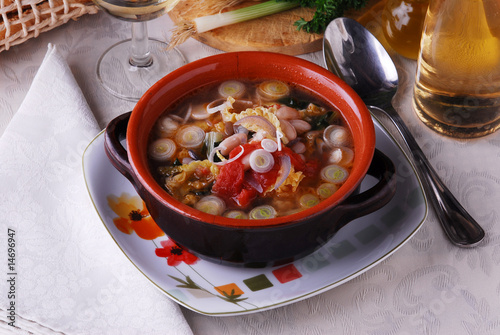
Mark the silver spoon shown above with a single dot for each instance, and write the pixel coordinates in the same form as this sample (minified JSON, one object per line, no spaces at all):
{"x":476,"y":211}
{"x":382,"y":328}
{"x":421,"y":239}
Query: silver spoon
{"x":355,"y":55}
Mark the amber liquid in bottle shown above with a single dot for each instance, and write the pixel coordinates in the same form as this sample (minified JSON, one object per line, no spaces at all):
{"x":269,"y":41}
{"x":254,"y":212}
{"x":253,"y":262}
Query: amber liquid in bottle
{"x":457,"y":89}
{"x":402,"y":23}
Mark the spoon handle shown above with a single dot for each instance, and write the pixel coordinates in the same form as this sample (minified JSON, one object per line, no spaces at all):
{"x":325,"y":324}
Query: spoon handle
{"x":460,"y":227}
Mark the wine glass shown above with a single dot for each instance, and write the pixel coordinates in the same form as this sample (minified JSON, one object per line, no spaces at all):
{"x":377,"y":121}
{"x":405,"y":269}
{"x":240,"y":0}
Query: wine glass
{"x":129,"y":68}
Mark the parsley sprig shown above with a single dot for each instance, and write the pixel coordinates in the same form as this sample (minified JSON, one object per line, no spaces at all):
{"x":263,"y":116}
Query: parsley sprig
{"x":326,"y":11}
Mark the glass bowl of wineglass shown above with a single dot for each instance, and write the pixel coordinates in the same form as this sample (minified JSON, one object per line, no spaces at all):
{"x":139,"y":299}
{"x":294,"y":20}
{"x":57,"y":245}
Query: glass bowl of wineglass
{"x":130,"y":67}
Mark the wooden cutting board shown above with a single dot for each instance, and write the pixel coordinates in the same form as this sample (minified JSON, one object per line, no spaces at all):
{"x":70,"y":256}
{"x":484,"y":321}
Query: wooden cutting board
{"x":274,"y":33}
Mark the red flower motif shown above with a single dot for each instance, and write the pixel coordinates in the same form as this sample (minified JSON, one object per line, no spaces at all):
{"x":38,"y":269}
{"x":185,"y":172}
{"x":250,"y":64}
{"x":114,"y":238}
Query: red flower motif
{"x":175,"y":254}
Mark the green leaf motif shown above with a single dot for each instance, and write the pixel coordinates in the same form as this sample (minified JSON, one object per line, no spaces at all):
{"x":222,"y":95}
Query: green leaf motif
{"x":188,"y":283}
{"x":233,"y":298}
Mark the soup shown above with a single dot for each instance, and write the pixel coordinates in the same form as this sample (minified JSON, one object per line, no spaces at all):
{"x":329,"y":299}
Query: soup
{"x":251,"y":150}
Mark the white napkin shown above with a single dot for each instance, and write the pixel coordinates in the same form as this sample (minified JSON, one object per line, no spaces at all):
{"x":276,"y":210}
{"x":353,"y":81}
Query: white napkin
{"x":68,"y":274}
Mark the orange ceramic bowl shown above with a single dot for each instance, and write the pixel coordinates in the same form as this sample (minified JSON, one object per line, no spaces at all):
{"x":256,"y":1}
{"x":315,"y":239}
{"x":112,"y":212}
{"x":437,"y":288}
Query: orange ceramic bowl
{"x":250,"y":242}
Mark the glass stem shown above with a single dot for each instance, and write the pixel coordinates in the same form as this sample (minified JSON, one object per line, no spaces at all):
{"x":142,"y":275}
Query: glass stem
{"x":139,"y":53}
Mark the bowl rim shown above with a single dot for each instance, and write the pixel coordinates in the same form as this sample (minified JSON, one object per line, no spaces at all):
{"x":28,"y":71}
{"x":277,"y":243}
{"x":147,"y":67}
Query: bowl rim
{"x":250,"y":60}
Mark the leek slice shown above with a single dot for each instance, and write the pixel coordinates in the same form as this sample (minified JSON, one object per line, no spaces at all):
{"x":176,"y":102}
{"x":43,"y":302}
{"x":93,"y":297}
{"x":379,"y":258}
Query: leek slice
{"x":211,"y":204}
{"x":334,"y":174}
{"x":262,"y":212}
{"x":235,"y":214}
{"x":162,"y":149}
{"x":308,"y":200}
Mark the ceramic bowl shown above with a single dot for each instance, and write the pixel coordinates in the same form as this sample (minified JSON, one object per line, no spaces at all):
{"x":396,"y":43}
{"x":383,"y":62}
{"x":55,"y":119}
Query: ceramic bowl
{"x":252,"y":243}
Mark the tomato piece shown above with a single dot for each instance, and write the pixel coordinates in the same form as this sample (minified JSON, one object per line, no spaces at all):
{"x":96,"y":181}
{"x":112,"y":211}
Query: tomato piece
{"x":267,"y":179}
{"x":235,"y":151}
{"x":231,"y":183}
{"x":248,"y":147}
{"x":245,"y":197}
{"x":295,"y":159}
{"x":230,"y":180}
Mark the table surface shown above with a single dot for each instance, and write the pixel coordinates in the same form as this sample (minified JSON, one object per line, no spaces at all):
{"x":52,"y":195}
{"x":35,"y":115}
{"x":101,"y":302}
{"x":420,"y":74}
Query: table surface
{"x":429,"y":286}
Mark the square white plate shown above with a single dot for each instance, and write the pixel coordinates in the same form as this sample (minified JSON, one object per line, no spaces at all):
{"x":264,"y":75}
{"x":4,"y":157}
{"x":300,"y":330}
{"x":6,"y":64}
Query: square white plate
{"x":218,"y":290}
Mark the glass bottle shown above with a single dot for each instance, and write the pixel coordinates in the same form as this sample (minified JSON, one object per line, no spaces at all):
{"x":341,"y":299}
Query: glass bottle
{"x":402,"y":23}
{"x":457,"y":88}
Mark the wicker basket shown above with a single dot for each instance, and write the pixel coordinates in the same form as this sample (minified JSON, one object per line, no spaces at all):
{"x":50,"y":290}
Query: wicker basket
{"x":23,"y":19}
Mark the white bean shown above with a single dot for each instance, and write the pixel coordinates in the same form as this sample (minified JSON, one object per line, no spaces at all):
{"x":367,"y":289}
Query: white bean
{"x":228,"y":128}
{"x":288,"y":130}
{"x":232,"y":142}
{"x":287,"y":113}
{"x":300,"y":126}
{"x":299,"y":148}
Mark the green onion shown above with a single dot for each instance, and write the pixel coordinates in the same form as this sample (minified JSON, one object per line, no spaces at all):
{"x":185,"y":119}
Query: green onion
{"x":231,"y":88}
{"x":236,"y":214}
{"x":261,"y":161}
{"x":162,"y":149}
{"x":273,"y":90}
{"x":325,"y":12}
{"x":308,"y":200}
{"x":342,"y":156}
{"x":327,"y":189}
{"x":211,"y":205}
{"x":262,"y":212}
{"x":203,"y":24}
{"x":167,"y":126}
{"x":337,"y":136}
{"x":334,"y":174}
{"x":190,"y":137}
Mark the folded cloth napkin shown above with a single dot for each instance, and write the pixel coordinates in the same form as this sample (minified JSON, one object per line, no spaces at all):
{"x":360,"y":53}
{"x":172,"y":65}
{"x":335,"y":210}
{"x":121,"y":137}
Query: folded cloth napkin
{"x":65,"y":275}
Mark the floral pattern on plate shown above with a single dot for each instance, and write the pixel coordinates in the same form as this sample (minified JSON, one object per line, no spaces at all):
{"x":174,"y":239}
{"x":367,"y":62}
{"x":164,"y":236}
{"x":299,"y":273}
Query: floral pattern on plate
{"x":216,"y":289}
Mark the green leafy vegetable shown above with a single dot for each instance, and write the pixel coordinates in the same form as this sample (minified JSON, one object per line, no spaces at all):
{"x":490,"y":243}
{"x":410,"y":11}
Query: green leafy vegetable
{"x":293,"y":102}
{"x":326,"y":11}
{"x":322,"y":121}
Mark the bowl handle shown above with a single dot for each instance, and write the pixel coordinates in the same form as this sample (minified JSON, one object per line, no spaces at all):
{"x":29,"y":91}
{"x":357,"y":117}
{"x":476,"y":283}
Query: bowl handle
{"x":375,"y":197}
{"x":115,"y":132}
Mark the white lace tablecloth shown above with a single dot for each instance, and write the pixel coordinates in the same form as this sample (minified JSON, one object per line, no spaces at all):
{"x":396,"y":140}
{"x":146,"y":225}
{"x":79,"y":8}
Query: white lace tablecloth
{"x":429,"y":286}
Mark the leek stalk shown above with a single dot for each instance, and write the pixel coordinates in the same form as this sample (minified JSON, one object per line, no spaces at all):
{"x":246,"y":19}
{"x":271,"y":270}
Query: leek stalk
{"x":203,"y":24}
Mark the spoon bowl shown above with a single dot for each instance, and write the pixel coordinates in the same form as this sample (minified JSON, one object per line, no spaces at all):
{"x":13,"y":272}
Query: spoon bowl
{"x":351,"y":52}
{"x":361,"y":61}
